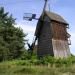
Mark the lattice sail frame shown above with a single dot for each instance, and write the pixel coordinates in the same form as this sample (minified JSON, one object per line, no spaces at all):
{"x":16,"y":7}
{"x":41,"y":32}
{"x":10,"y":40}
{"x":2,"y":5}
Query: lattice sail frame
{"x":29,"y":16}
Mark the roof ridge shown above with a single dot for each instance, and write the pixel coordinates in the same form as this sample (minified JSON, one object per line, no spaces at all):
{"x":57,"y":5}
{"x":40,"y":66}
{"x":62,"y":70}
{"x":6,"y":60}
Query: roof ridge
{"x":56,"y":17}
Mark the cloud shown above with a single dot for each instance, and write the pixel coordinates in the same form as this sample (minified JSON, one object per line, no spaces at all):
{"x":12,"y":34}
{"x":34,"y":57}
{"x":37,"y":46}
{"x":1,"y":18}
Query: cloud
{"x":27,"y":28}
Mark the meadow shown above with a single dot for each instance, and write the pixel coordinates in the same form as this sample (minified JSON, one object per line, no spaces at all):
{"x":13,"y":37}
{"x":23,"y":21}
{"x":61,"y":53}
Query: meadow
{"x":23,"y":67}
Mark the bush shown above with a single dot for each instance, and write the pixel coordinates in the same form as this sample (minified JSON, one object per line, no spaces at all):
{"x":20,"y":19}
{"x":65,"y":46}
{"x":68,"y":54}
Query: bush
{"x":47,"y":59}
{"x":61,"y":61}
{"x":28,"y":55}
{"x":25,"y":55}
{"x":31,"y":58}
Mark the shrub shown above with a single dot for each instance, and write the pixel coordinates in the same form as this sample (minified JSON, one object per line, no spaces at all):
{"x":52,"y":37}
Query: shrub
{"x":25,"y":55}
{"x":31,"y":58}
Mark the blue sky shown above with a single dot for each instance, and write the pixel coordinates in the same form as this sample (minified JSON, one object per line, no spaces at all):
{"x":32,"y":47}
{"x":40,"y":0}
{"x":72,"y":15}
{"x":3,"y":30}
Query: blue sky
{"x":65,"y":8}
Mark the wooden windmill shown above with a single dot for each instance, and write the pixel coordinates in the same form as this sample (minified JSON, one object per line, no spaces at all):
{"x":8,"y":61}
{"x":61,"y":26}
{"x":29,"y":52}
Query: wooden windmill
{"x":51,"y":34}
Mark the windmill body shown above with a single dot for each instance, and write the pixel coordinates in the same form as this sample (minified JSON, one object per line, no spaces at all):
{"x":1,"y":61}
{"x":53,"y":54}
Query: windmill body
{"x":52,"y":36}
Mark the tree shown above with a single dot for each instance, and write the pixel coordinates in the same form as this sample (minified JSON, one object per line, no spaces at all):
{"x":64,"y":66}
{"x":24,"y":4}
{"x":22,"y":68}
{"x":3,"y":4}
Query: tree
{"x":11,"y":38}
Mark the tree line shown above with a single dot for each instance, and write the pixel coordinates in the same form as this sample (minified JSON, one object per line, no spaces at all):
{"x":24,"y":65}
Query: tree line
{"x":11,"y":38}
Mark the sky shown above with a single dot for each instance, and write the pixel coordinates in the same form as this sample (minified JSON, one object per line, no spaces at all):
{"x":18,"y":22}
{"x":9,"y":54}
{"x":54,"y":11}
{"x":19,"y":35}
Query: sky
{"x":65,"y":8}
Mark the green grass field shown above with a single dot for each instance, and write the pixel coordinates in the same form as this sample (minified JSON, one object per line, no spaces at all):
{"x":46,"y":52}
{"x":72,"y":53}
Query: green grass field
{"x":18,"y":67}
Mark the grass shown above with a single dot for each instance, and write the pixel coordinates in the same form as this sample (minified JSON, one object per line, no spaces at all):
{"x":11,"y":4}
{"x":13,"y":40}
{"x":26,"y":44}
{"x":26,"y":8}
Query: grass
{"x":19,"y":67}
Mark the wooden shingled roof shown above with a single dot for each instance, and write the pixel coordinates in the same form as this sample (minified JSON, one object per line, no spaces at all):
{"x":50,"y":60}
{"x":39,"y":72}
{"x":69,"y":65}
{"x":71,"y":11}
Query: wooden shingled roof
{"x":56,"y":17}
{"x":52,"y":16}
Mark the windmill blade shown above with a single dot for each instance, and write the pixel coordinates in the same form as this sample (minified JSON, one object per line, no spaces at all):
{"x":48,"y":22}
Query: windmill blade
{"x":45,"y":5}
{"x":29,"y":16}
{"x":44,"y":9}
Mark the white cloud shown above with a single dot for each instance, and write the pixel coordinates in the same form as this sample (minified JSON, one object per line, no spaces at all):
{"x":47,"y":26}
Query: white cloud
{"x":27,"y":28}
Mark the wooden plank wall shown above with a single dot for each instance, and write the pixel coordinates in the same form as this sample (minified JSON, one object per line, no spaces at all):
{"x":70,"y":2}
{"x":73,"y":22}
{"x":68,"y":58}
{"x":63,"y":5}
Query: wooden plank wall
{"x":59,"y":31}
{"x":45,"y":41}
{"x":60,"y":48}
{"x":60,"y":40}
{"x":53,"y":40}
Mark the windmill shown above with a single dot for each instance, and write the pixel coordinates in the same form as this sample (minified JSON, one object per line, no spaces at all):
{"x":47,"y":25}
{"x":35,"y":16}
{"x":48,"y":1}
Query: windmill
{"x":51,"y":34}
{"x":30,"y":17}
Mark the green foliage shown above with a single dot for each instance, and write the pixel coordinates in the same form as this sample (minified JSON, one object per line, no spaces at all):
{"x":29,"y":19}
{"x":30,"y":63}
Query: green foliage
{"x":25,"y":55}
{"x":11,"y":38}
{"x":16,"y":67}
{"x":48,"y":59}
{"x":33,"y":59}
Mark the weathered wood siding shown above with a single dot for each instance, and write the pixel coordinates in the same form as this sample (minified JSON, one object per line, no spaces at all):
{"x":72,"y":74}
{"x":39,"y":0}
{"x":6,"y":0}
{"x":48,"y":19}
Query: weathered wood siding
{"x":53,"y":39}
{"x":59,"y":31}
{"x":59,"y":40}
{"x":45,"y":41}
{"x":60,"y":48}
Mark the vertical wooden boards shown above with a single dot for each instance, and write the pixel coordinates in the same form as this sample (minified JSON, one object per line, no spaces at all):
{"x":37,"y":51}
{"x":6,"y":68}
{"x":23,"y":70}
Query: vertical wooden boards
{"x":45,"y":41}
{"x":60,"y":48}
